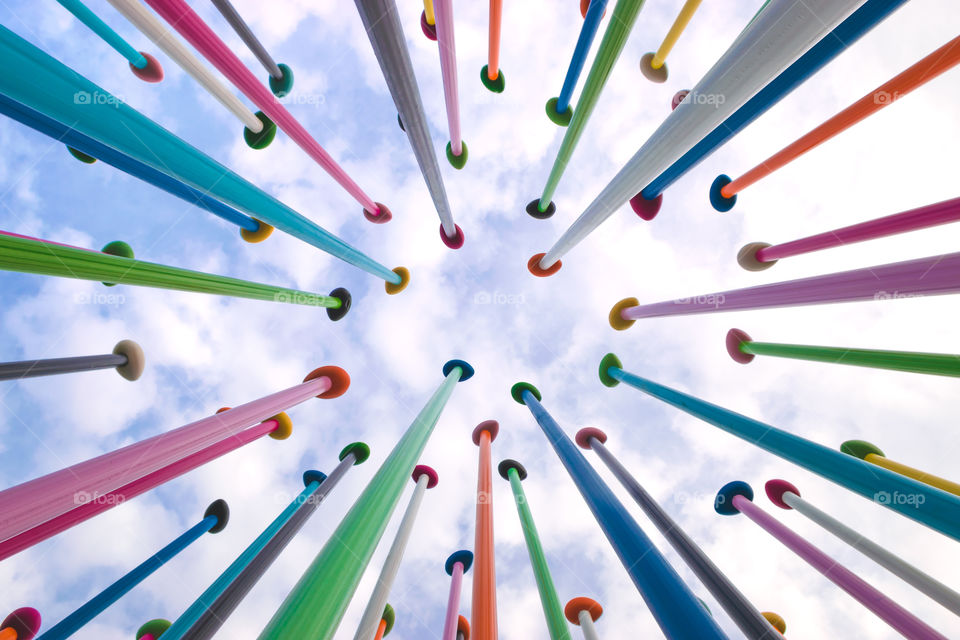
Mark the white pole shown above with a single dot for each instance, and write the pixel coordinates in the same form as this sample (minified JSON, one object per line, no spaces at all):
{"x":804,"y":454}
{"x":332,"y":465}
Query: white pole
{"x":586,"y":623}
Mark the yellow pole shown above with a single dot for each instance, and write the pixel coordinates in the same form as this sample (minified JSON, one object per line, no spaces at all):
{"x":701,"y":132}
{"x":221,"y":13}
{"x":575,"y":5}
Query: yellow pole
{"x":428,"y":11}
{"x":686,"y":13}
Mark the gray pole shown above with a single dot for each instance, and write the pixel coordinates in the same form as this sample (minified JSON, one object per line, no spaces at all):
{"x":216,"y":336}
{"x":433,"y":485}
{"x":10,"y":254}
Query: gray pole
{"x":127,"y":359}
{"x":238,"y":24}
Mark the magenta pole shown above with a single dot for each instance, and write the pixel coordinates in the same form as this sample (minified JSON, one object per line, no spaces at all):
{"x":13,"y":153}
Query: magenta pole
{"x":32,"y":503}
{"x":757,"y":256}
{"x":736,"y":497}
{"x":936,"y":275}
{"x":457,"y":564}
{"x":278,"y":427}
{"x":195,"y":31}
{"x":443,"y":11}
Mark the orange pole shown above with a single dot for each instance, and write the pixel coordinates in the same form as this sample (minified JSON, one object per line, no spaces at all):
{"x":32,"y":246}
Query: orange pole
{"x":483,"y":625}
{"x":381,"y":629}
{"x":915,"y":76}
{"x":493,"y":59}
{"x":8,"y":633}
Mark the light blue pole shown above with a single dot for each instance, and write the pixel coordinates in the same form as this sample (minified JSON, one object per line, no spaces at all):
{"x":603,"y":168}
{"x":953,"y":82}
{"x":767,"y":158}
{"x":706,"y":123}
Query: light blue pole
{"x":102,"y":29}
{"x":591,"y":23}
{"x":927,"y":505}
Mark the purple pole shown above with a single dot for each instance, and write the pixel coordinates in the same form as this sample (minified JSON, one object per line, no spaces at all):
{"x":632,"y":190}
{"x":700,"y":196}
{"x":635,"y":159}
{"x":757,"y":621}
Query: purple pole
{"x":457,"y":564}
{"x":736,"y":497}
{"x":443,"y":11}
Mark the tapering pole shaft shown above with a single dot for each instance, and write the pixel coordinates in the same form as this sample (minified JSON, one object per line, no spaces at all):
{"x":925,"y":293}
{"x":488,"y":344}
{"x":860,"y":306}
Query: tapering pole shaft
{"x":453,"y":603}
{"x":779,"y":34}
{"x":99,"y":603}
{"x":446,"y":44}
{"x":243,"y":30}
{"x":54,"y":366}
{"x":483,"y":611}
{"x":493,"y":48}
{"x":938,"y":510}
{"x":676,"y":29}
{"x":910,"y":574}
{"x":928,"y":68}
{"x":747,"y":618}
{"x":916,"y":474}
{"x":108,"y":35}
{"x":429,"y":12}
{"x":586,"y":625}
{"x":316,"y":604}
{"x":552,"y":609}
{"x":31,"y":503}
{"x":372,"y":615}
{"x":885,"y":608}
{"x":106,"y":118}
{"x":676,"y":610}
{"x":588,"y":31}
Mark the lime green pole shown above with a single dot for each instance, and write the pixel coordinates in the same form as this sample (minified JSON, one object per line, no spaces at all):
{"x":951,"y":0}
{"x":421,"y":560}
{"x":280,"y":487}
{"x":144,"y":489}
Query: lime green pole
{"x":743,"y":349}
{"x":514,"y":472}
{"x":614,"y":38}
{"x":315,"y":606}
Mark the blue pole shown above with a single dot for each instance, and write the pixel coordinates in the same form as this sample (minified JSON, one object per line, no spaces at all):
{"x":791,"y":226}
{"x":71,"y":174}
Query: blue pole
{"x":215,"y":519}
{"x":869,"y":15}
{"x":591,"y":23}
{"x":927,"y":505}
{"x":73,"y":138}
{"x":33,"y":78}
{"x":677,"y":611}
{"x":102,"y":29}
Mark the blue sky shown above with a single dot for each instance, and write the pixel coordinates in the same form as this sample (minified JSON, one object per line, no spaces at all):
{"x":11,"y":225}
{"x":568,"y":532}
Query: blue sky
{"x":204,"y":352}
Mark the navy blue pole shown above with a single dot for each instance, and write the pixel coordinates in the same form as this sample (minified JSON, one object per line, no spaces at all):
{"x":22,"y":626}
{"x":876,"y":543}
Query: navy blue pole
{"x":677,"y":611}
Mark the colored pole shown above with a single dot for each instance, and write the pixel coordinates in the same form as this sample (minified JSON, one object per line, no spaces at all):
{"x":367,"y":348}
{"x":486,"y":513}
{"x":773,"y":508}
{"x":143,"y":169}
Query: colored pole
{"x":463,"y":629}
{"x":757,"y":256}
{"x":206,"y":615}
{"x":936,"y":275}
{"x":214,"y":521}
{"x":381,"y":21}
{"x":151,"y":27}
{"x":614,"y":39}
{"x":143,"y":65}
{"x":743,"y":349}
{"x":241,"y":28}
{"x":872,"y":454}
{"x":490,"y":75}
{"x":32,"y":255}
{"x":428,"y":12}
{"x":68,"y":97}
{"x":387,"y":620}
{"x":747,"y":618}
{"x":456,"y":148}
{"x":514,"y":473}
{"x":192,"y":28}
{"x":724,"y":191}
{"x":152,"y":629}
{"x":654,"y":65}
{"x":425,"y":478}
{"x":21,"y":624}
{"x":31,"y":503}
{"x":776,"y":621}
{"x":457,"y":564}
{"x":251,"y":230}
{"x":127,"y":358}
{"x":786,"y":496}
{"x":937,"y":509}
{"x":316,"y":604}
{"x":675,"y":608}
{"x":483,"y":612}
{"x":279,"y":427}
{"x":583,"y":612}
{"x":779,"y":35}
{"x":736,"y":497}
{"x":558,"y":109}
{"x":870,"y":14}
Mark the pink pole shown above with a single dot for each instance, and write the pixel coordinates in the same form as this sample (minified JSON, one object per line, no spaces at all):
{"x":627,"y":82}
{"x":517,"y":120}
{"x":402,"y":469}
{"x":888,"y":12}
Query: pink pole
{"x":920,"y":218}
{"x":32,"y":503}
{"x":193,"y":29}
{"x":739,"y":495}
{"x":456,"y":581}
{"x":443,"y":10}
{"x":93,"y":507}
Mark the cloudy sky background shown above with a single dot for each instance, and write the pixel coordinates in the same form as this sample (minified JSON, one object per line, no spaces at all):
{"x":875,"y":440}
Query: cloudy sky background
{"x":204,"y":352}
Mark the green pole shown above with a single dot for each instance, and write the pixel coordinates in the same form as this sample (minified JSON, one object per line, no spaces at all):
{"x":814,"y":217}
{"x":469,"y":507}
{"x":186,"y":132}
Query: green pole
{"x":614,"y":38}
{"x":552,"y":609}
{"x":31,"y":255}
{"x":742,"y":349}
{"x":316,"y":604}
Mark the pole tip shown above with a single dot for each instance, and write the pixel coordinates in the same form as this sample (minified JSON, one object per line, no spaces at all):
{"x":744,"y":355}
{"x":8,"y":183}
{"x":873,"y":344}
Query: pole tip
{"x":533,"y":210}
{"x":458,"y":162}
{"x":747,"y":257}
{"x":393,"y":289}
{"x":575,"y":606}
{"x":284,"y":84}
{"x":260,"y":140}
{"x":775,"y":620}
{"x":262,"y":232}
{"x":533,"y":265}
{"x":284,"y":426}
{"x":490,"y":426}
{"x":360,"y":452}
{"x":466,"y":370}
{"x":719,"y":201}
{"x":383,"y":214}
{"x":345,"y":301}
{"x":649,"y":72}
{"x":463,"y":627}
{"x":81,"y":156}
{"x":606,"y":362}
{"x":219,"y":509}
{"x":678,"y":98}
{"x":151,"y":72}
{"x":390,"y":617}
{"x":25,"y":621}
{"x":339,"y":380}
{"x":424,"y":470}
{"x":776,"y":488}
{"x":584,"y":435}
{"x":736,"y":337}
{"x":723,"y":504}
{"x":647,"y":209}
{"x":457,"y":240}
{"x":557,"y":118}
{"x":497,"y":84}
{"x":616,"y":319}
{"x":860,"y":449}
{"x":429,"y":30}
{"x":504,"y":469}
{"x":312,"y":475}
{"x":516,"y":391}
{"x":463,"y":556}
{"x":133,"y":368}
{"x":154,"y":628}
